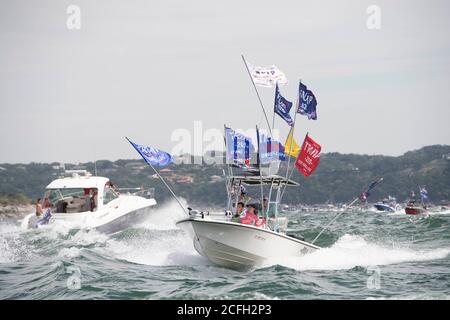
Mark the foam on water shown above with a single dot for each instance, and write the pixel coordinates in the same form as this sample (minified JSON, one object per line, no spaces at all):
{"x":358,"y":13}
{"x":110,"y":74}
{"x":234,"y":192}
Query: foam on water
{"x":87,"y":237}
{"x":158,"y":241}
{"x":69,"y":253}
{"x":165,"y":217}
{"x":351,"y":251}
{"x":12,"y":249}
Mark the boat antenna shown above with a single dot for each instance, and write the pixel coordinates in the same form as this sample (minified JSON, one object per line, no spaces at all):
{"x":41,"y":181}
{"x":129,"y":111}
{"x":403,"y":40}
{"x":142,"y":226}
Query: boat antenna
{"x":257,"y":93}
{"x":161,"y":178}
{"x":95,"y":167}
{"x":366,"y":193}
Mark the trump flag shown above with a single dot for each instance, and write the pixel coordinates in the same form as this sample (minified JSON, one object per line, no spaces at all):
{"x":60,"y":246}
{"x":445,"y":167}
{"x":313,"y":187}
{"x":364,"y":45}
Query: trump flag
{"x":267,"y":76}
{"x":153,"y":156}
{"x":307,"y":102}
{"x":309,"y":157}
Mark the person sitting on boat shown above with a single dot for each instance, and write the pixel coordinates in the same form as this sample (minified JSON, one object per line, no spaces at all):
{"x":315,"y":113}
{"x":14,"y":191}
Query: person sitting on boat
{"x":39,"y":210}
{"x":249,"y":216}
{"x":239,"y":209}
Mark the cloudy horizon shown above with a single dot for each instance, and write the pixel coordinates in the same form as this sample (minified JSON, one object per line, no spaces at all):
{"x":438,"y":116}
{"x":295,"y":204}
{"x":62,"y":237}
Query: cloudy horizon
{"x":147,"y":70}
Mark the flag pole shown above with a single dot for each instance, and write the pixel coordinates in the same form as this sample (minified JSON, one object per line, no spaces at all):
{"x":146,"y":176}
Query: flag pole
{"x":290,"y":147}
{"x":275,"y":102}
{"x":334,"y":219}
{"x":161,"y":178}
{"x":257,"y":93}
{"x":259,"y":165}
{"x":230,"y":170}
{"x":293,"y":168}
{"x":292,"y":129}
{"x":371,"y":186}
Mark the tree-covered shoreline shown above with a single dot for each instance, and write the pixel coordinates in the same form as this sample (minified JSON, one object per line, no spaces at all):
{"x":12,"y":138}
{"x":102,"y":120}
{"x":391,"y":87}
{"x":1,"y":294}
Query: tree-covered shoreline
{"x":338,"y":179}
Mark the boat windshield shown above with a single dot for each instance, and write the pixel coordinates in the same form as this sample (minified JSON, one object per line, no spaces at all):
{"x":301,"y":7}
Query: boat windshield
{"x":71,"y":200}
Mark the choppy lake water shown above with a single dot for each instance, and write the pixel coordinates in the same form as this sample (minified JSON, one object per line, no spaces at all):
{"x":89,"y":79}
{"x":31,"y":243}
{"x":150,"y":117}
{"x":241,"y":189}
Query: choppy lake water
{"x":365,"y":255}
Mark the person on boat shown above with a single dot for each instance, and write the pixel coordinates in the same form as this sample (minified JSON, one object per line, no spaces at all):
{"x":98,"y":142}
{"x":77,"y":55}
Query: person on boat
{"x":39,"y":210}
{"x":239,"y":209}
{"x":47,"y":203}
{"x":270,"y":211}
{"x":250,"y":216}
{"x":92,"y":200}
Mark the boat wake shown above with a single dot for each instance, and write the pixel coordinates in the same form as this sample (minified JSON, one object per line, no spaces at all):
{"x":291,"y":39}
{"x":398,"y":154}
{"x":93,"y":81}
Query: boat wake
{"x":352,"y":251}
{"x":157,"y":241}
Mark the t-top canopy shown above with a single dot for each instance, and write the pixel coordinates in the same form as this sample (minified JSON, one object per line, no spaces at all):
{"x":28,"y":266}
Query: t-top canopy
{"x":257,"y":180}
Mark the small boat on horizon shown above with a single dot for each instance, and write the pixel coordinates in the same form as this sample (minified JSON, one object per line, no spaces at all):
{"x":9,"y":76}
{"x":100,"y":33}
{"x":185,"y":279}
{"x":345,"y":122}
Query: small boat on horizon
{"x":88,"y":201}
{"x":387,"y":205}
{"x":412,"y":208}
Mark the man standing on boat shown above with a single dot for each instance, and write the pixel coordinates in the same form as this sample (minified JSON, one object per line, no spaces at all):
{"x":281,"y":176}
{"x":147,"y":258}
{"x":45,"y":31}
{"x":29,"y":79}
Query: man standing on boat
{"x":270,"y":210}
{"x":39,"y":210}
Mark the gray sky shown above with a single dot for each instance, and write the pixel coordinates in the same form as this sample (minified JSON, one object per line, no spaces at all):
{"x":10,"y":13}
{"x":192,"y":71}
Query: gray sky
{"x":146,"y":68}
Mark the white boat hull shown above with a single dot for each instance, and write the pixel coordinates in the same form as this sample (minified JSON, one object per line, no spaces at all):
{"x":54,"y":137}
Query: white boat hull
{"x":240,"y":246}
{"x":117,"y":215}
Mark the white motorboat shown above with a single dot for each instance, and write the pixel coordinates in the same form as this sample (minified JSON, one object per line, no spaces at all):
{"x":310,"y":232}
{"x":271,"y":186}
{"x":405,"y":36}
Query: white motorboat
{"x":241,"y":246}
{"x":86,"y":201}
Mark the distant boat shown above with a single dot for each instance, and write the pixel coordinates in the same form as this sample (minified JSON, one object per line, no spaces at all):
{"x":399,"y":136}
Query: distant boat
{"x":88,"y":201}
{"x":380,"y":206}
{"x":412,"y":208}
{"x":387,"y":205}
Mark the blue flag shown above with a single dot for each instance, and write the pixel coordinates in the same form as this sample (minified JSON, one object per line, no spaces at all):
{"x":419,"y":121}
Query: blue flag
{"x":282,"y":107}
{"x":270,"y":150}
{"x":363,"y":196}
{"x":239,"y":147}
{"x":153,"y":156}
{"x":423,"y":194}
{"x":307,"y":102}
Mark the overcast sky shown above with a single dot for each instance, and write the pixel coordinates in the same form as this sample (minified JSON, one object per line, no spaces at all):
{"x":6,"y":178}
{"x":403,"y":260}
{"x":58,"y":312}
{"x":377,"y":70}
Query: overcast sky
{"x":146,"y":68}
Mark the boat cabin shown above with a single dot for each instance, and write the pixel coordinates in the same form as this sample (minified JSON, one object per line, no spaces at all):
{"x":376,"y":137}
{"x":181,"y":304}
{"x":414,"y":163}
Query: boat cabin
{"x":80,"y":192}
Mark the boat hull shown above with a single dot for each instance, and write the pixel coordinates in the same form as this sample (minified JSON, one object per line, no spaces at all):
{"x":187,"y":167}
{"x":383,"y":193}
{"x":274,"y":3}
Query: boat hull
{"x":125,"y":221}
{"x":383,"y":207}
{"x":415,"y":211}
{"x":127,"y":211}
{"x":241,"y":247}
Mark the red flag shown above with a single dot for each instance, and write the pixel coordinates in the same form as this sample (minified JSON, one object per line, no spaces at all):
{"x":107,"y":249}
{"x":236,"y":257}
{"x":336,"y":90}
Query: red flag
{"x":309,"y":156}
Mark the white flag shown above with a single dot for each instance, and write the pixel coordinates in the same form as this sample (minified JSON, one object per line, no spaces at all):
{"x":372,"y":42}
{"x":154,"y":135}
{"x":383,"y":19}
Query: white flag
{"x":267,"y":76}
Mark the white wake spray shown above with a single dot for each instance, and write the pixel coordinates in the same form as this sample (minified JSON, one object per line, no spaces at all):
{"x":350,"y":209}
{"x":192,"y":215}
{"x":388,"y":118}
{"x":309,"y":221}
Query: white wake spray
{"x":351,"y":251}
